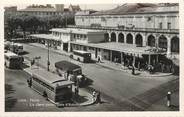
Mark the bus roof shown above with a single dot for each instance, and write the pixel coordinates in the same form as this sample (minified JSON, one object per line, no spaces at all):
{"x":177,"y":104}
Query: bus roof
{"x":10,"y":54}
{"x":66,"y":66}
{"x":81,"y":51}
{"x":51,"y":78}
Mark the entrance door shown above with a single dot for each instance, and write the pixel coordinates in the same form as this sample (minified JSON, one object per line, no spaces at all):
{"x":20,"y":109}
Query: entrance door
{"x":116,"y":56}
{"x":96,"y":52}
{"x":65,"y":46}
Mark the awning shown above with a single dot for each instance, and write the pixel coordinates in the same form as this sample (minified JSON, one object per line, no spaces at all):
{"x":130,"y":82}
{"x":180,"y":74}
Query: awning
{"x":125,"y":48}
{"x":46,"y":36}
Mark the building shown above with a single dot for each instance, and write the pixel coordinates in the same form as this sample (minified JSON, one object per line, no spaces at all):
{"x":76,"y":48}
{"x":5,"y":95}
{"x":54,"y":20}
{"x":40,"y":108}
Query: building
{"x":48,"y":10}
{"x":137,"y":24}
{"x":10,"y":9}
{"x":74,"y":8}
{"x":133,"y":34}
{"x":61,"y":38}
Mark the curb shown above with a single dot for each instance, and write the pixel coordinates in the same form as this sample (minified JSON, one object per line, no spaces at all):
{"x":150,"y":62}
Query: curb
{"x":135,"y":75}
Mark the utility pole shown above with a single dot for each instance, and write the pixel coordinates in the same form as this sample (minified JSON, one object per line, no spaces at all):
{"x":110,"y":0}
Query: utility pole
{"x":48,"y":62}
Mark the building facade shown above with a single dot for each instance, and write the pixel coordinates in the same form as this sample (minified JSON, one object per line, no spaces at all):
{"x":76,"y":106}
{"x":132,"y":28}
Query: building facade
{"x":132,"y":34}
{"x":138,"y":24}
{"x":48,"y":10}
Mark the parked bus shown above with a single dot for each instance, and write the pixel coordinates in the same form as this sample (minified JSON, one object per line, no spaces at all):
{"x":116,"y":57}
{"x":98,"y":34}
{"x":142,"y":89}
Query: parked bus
{"x":81,"y":56}
{"x":51,"y":86}
{"x":70,"y":71}
{"x":16,"y":48}
{"x":12,"y":60}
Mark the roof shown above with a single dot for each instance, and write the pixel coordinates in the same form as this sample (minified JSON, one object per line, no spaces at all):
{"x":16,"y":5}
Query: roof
{"x":138,"y":8}
{"x":45,"y":36}
{"x":76,"y":30}
{"x":50,"y":78}
{"x":39,"y":9}
{"x":75,"y":7}
{"x":127,"y":48}
{"x":81,"y":51}
{"x":66,"y":66}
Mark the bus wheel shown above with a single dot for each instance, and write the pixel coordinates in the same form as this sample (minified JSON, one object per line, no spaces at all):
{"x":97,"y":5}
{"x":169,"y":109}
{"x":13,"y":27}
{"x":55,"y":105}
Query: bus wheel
{"x":5,"y":64}
{"x":78,"y":59}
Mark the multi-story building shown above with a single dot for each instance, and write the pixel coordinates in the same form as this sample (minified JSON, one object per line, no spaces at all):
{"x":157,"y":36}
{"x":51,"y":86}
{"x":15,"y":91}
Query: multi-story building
{"x":137,"y":24}
{"x":48,"y":10}
{"x":136,"y":34}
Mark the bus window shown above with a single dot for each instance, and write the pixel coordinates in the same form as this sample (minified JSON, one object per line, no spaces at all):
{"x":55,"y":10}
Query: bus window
{"x":82,"y":56}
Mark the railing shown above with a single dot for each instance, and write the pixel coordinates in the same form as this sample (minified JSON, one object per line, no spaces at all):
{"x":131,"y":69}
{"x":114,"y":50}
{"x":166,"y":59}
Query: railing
{"x":128,"y":29}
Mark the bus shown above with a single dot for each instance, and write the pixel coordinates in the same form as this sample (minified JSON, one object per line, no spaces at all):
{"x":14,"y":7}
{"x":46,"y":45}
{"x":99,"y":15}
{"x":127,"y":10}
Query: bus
{"x":70,"y":71}
{"x":54,"y":88}
{"x":13,"y":60}
{"x":16,"y":48}
{"x":81,"y":56}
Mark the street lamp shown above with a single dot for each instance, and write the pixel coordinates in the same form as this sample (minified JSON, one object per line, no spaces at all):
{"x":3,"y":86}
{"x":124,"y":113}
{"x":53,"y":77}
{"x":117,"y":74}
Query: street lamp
{"x":48,"y":62}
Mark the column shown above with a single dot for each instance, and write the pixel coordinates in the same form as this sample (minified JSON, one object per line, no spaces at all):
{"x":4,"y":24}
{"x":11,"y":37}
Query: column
{"x":109,"y":37}
{"x":121,"y":57}
{"x":156,"y":41}
{"x":168,"y":47}
{"x":110,"y":55}
{"x":144,"y":40}
{"x":134,"y":39}
{"x":149,"y":59}
{"x":61,"y":45}
{"x":116,"y":37}
{"x":69,"y":47}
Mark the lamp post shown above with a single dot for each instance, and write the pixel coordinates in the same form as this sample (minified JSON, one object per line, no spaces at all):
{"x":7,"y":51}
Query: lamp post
{"x":48,"y":61}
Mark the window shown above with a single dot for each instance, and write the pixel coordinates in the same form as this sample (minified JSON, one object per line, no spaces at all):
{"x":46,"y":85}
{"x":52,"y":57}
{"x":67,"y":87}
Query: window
{"x":82,"y":19}
{"x":85,"y":36}
{"x":169,"y":25}
{"x":160,"y":25}
{"x":74,"y":35}
{"x":103,"y":19}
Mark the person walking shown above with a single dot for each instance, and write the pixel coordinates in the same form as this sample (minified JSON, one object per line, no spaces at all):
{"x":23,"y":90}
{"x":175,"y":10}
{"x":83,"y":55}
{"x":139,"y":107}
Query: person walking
{"x":168,"y":99}
{"x":133,"y":70}
{"x":94,"y":96}
{"x":98,"y":98}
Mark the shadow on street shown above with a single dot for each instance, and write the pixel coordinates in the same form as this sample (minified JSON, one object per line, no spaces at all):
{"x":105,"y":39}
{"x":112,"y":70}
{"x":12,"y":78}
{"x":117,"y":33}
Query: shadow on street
{"x":9,"y":100}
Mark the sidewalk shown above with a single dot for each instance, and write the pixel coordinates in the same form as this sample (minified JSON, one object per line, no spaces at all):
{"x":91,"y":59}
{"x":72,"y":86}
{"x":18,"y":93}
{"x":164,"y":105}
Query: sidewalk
{"x":109,"y":65}
{"x":83,"y":99}
{"x":162,"y":104}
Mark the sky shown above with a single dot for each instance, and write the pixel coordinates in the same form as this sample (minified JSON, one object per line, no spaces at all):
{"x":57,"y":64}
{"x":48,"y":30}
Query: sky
{"x":97,"y":7}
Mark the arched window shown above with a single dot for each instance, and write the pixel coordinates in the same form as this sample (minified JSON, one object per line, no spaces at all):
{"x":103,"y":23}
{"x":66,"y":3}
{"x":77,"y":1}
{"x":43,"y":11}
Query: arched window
{"x":113,"y":37}
{"x":175,"y":44}
{"x":138,"y":40}
{"x":151,"y":41}
{"x":129,"y":38}
{"x":121,"y":38}
{"x":162,"y":42}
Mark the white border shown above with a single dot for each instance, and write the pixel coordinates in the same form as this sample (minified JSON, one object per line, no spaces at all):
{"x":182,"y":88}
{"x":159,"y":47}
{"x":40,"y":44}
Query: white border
{"x":90,"y":114}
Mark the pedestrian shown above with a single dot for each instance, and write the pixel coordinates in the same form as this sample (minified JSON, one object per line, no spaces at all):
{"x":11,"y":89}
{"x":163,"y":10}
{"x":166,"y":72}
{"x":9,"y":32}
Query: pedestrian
{"x":99,"y":59}
{"x":98,"y":98}
{"x":139,"y":66}
{"x":133,"y":70}
{"x":76,"y":91}
{"x":168,"y":99}
{"x":94,"y":96}
{"x":28,"y":82}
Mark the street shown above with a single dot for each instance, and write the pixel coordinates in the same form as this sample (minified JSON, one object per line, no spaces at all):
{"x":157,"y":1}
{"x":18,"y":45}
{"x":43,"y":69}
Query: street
{"x":117,"y":88}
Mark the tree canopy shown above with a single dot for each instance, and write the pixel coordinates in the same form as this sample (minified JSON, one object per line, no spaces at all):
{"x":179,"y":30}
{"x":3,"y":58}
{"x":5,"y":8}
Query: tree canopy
{"x":26,"y":23}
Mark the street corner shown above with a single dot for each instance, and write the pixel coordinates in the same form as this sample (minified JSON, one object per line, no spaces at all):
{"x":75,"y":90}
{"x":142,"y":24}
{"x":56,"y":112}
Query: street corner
{"x":83,"y":98}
